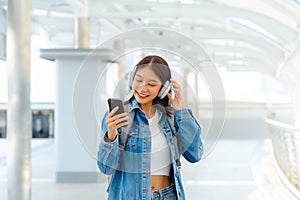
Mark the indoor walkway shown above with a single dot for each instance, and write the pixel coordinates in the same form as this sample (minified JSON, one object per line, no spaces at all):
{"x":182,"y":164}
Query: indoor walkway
{"x":232,"y":171}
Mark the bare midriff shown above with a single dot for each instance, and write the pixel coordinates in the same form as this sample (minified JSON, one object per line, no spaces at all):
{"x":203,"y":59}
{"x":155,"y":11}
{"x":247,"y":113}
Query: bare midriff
{"x":159,"y":182}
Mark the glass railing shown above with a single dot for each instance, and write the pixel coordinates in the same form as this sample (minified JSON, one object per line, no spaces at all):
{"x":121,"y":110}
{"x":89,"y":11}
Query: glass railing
{"x":286,"y":147}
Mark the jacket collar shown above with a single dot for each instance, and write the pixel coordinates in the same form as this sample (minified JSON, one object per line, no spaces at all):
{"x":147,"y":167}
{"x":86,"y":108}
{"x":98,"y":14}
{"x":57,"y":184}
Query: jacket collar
{"x":134,"y":105}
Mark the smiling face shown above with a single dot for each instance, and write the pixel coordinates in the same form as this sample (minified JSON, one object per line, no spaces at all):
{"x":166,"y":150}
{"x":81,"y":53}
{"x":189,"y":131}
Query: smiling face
{"x":146,"y":85}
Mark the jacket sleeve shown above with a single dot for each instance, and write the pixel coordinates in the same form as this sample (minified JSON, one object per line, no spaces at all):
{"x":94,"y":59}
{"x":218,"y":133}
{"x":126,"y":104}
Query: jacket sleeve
{"x":188,"y":135}
{"x":108,"y":152}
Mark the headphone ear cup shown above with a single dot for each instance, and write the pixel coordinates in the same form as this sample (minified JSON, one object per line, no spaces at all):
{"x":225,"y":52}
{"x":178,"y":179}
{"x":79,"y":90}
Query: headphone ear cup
{"x":164,"y":90}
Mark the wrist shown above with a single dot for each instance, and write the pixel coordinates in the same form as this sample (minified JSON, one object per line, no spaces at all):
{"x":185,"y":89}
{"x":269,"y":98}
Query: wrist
{"x":111,"y":137}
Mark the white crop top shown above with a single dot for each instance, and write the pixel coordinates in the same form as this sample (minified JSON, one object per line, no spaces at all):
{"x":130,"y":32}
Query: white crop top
{"x":160,"y":152}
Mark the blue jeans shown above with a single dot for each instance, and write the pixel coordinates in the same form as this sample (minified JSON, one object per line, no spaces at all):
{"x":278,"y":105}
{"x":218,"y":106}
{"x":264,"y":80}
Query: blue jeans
{"x":167,"y":193}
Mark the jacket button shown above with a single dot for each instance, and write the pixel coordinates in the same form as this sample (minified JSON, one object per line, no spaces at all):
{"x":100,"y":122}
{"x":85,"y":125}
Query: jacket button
{"x":179,"y":193}
{"x":176,"y":174}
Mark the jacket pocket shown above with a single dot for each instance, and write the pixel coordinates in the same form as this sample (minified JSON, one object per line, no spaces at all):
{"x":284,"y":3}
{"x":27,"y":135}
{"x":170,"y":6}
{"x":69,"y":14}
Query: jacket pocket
{"x":131,"y":143}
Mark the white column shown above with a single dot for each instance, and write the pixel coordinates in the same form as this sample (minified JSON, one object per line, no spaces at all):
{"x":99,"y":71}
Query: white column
{"x":196,"y":102}
{"x":79,"y":106}
{"x":290,"y":75}
{"x":119,"y":46}
{"x":184,"y":86}
{"x":81,"y":32}
{"x":19,"y":108}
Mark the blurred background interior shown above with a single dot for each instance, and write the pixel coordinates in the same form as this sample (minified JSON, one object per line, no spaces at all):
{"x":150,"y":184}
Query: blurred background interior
{"x":254,"y":49}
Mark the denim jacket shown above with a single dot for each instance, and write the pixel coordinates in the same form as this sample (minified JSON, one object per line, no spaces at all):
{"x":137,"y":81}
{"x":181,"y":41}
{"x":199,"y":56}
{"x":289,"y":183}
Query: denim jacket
{"x":130,"y":176}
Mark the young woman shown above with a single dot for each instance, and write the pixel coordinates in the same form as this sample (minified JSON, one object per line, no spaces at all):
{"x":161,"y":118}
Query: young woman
{"x":160,"y":131}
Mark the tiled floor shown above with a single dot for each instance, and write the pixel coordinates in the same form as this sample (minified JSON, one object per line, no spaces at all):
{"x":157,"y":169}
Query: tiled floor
{"x":232,"y":171}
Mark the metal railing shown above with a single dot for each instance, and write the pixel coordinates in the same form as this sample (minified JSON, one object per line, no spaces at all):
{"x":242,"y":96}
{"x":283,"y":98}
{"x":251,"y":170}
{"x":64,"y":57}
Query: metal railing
{"x":286,"y":147}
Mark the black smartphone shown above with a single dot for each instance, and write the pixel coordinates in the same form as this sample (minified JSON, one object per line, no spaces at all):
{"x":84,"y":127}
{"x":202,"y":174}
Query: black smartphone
{"x":113,"y":102}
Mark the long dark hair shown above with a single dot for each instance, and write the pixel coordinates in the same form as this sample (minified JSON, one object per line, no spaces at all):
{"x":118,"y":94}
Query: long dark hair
{"x":161,"y":68}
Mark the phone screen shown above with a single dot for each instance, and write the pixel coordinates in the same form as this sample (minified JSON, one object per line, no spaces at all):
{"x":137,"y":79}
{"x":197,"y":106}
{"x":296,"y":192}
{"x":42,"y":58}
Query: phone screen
{"x":113,"y":102}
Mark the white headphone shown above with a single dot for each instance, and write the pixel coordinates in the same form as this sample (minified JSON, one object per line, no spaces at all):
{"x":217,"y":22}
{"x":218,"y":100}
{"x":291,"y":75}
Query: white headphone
{"x":163,"y":91}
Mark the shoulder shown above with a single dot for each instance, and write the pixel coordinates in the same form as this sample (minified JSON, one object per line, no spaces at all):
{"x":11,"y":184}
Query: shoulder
{"x":105,"y":115}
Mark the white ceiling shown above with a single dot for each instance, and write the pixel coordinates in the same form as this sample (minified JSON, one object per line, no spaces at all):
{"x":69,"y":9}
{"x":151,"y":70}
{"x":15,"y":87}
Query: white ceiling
{"x":263,"y":35}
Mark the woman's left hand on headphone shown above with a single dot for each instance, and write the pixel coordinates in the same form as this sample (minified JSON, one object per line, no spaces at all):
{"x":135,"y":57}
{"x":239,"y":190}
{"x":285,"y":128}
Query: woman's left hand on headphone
{"x":177,"y":101}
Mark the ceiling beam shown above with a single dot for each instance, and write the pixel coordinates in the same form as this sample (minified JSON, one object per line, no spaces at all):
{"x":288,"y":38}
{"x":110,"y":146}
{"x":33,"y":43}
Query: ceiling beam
{"x":172,"y":10}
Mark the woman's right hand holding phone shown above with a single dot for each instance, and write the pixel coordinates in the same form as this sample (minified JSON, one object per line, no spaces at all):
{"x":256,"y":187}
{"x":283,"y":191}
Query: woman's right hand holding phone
{"x":113,"y":122}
